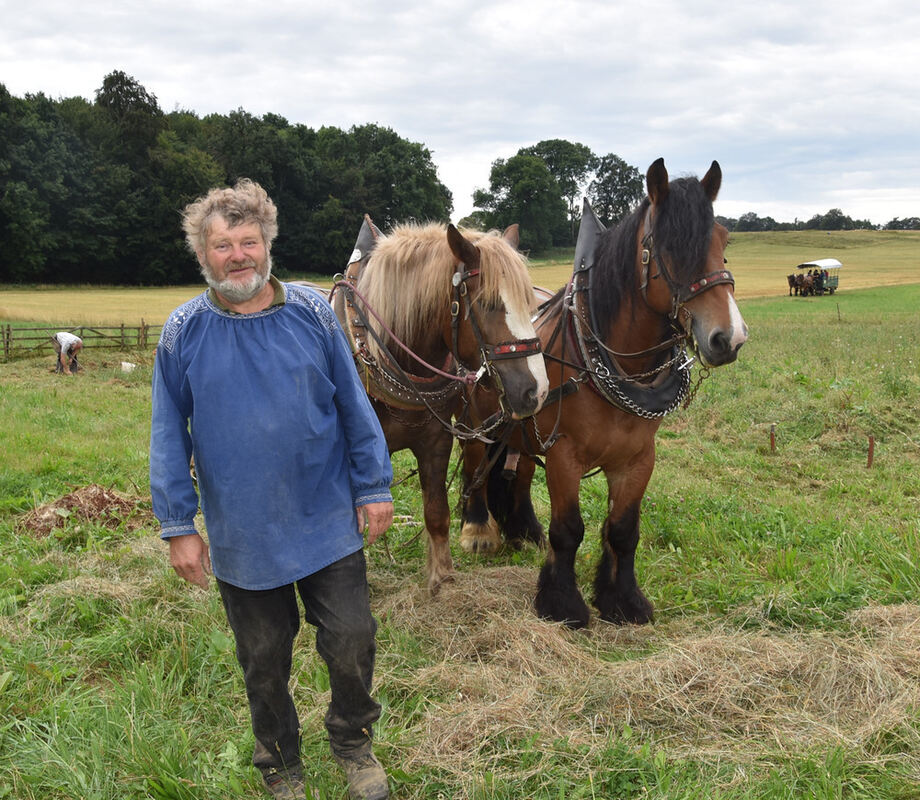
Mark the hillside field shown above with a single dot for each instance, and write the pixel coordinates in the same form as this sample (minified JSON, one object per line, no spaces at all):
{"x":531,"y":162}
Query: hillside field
{"x":760,"y":263}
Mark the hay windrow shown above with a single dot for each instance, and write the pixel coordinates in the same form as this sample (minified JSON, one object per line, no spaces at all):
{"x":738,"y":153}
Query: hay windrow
{"x":498,"y":672}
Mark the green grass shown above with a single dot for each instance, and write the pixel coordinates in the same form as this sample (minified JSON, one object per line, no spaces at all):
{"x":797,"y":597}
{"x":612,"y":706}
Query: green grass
{"x":782,"y":664}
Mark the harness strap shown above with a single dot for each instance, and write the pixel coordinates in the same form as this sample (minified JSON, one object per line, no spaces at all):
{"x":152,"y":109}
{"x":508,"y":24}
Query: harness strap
{"x":556,"y":395}
{"x":704,"y":283}
{"x":519,"y":348}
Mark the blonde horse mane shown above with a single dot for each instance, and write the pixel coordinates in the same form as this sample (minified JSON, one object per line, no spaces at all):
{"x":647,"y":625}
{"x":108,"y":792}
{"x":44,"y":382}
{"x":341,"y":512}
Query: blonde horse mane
{"x":407,"y":280}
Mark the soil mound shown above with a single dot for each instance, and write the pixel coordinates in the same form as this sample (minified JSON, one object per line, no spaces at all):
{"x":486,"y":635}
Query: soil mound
{"x":91,"y":503}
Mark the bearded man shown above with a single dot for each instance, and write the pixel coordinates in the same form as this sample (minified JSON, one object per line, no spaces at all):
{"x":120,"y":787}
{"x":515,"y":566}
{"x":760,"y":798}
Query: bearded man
{"x":254,"y":379}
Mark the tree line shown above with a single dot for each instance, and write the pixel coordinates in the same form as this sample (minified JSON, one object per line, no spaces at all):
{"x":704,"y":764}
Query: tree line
{"x":833,"y":220}
{"x":91,"y":192}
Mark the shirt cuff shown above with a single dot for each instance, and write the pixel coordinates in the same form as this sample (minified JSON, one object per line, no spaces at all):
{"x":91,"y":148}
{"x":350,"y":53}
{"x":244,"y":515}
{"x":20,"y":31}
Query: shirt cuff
{"x":377,"y":497}
{"x":177,"y":528}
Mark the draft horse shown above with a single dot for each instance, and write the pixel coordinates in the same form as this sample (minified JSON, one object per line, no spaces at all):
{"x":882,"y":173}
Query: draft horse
{"x":432,"y":314}
{"x":615,"y":340}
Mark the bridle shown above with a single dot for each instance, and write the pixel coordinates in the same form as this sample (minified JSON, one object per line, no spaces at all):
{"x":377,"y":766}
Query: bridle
{"x":641,"y":395}
{"x":406,"y":386}
{"x":489,"y":353}
{"x":680,"y":294}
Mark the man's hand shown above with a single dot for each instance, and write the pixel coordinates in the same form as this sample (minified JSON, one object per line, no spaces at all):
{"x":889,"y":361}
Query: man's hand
{"x":189,"y":557}
{"x":376,"y":517}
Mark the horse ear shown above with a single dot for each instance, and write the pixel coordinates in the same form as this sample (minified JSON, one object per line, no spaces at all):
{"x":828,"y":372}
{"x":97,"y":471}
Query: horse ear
{"x":656,"y":179}
{"x":712,"y":181}
{"x":512,"y":235}
{"x":464,"y":250}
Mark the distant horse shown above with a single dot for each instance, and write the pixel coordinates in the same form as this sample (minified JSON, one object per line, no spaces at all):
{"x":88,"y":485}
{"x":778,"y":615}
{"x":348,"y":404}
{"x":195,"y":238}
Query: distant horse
{"x":793,"y":284}
{"x":615,"y":343}
{"x":432,"y":314}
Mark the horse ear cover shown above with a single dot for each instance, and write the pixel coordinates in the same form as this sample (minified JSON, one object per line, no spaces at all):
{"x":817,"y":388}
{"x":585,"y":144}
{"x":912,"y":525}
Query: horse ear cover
{"x":589,"y":231}
{"x":367,"y":239}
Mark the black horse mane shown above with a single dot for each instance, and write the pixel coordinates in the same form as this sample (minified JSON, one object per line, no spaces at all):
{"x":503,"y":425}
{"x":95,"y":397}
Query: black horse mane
{"x":681,"y":234}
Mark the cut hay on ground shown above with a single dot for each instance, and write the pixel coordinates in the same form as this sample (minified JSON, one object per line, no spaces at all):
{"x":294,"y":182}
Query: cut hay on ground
{"x":713,"y":694}
{"x":91,"y":503}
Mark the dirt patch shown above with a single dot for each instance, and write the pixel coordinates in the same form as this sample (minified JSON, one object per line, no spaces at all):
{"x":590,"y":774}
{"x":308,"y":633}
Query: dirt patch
{"x":91,"y":503}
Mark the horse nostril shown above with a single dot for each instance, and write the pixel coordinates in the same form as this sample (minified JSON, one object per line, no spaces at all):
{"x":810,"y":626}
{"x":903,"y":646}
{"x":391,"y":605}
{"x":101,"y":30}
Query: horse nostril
{"x":719,"y":342}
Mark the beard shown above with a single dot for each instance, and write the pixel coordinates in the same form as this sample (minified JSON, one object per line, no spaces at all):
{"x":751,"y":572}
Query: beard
{"x":236,"y":291}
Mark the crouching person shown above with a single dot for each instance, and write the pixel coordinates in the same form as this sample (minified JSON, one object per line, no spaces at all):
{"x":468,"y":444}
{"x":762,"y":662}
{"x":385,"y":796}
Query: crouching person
{"x":254,"y":378}
{"x":66,"y":347}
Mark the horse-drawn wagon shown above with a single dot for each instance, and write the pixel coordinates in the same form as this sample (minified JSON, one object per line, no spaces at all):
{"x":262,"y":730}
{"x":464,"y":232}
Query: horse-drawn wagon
{"x":818,"y":277}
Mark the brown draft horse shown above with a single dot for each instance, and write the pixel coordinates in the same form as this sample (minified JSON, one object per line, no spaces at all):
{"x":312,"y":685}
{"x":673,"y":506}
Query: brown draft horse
{"x":615,"y":343}
{"x":432,"y":314}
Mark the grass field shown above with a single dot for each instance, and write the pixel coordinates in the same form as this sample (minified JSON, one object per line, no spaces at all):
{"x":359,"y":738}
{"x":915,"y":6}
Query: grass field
{"x":760,"y":263}
{"x":784,"y":661}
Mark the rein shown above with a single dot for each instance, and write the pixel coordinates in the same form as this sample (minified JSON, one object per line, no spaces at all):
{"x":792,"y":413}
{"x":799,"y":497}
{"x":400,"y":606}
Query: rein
{"x":468,"y":378}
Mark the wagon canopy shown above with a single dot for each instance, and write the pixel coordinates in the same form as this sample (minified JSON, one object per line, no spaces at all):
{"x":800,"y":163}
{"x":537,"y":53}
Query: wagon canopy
{"x":821,"y":263}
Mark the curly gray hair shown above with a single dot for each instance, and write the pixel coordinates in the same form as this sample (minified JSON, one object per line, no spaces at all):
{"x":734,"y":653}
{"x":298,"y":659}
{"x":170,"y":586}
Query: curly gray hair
{"x":247,"y":202}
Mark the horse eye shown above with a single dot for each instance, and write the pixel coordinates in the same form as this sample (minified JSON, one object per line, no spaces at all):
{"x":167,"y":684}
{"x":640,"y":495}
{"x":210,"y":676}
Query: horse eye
{"x":724,"y":260}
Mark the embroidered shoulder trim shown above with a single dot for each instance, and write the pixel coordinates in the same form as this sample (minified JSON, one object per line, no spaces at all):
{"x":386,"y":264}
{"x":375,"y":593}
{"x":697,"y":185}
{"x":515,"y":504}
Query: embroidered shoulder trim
{"x":305,"y":296}
{"x":178,"y":318}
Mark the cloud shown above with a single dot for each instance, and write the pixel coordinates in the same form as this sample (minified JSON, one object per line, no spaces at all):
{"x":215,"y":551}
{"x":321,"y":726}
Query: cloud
{"x":807,"y":105}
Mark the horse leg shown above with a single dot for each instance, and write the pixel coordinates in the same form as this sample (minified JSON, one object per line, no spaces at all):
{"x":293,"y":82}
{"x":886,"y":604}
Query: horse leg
{"x":479,"y":532}
{"x":617,"y":595}
{"x":558,"y":597}
{"x":510,"y":503}
{"x":433,"y":463}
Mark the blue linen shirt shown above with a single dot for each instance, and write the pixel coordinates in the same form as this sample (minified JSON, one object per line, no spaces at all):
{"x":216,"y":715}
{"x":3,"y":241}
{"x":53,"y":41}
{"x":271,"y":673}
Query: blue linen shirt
{"x":285,"y":440}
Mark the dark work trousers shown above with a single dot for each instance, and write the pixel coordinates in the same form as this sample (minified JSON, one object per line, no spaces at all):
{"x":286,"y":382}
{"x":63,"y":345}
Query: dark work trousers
{"x":265,"y":623}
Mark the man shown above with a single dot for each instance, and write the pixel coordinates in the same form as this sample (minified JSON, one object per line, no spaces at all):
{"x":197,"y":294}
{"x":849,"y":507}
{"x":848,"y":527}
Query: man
{"x":254,"y":378}
{"x":66,"y":345}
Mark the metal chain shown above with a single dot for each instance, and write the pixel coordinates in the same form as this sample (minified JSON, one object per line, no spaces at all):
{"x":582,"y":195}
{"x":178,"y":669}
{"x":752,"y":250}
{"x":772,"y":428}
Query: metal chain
{"x":702,"y":374}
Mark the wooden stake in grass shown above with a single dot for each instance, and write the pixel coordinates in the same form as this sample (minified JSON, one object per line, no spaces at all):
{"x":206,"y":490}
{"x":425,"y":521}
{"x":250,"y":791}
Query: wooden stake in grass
{"x":871,"y":451}
{"x":772,"y":437}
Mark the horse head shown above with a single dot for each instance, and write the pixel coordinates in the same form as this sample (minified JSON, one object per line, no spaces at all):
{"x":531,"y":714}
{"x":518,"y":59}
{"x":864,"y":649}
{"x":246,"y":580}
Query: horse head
{"x":683,"y":245}
{"x":490,"y":321}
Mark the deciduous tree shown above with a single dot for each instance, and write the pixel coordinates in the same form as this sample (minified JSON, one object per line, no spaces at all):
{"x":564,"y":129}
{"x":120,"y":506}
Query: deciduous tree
{"x":522,"y":190}
{"x":617,"y":187}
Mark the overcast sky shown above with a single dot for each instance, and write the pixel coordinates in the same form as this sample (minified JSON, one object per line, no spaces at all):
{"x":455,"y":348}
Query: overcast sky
{"x":807,"y":105}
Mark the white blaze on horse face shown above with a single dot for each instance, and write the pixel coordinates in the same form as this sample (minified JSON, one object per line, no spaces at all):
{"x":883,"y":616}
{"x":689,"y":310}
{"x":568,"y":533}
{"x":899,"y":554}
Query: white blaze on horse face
{"x":518,"y":322}
{"x":739,"y":327}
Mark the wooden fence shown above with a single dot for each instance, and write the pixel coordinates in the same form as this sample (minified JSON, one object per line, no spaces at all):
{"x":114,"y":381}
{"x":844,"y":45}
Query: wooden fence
{"x":21,"y":342}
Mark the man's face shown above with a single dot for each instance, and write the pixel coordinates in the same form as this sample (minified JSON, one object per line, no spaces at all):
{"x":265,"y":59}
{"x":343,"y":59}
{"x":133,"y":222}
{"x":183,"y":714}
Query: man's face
{"x":235,"y":261}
